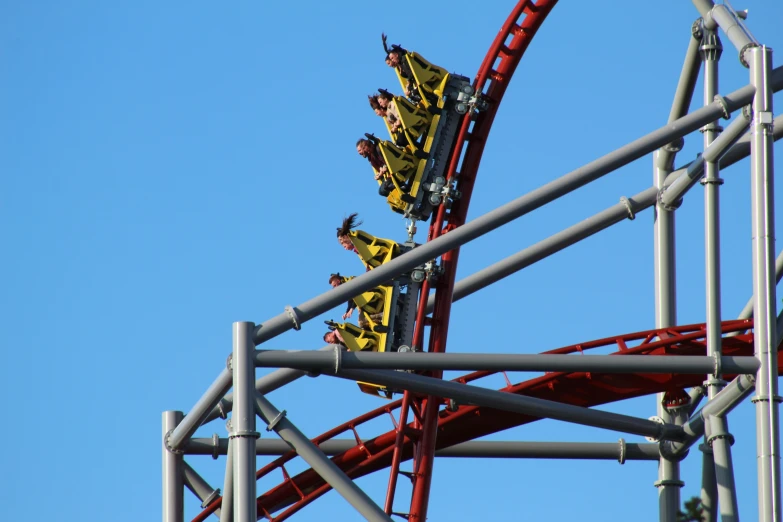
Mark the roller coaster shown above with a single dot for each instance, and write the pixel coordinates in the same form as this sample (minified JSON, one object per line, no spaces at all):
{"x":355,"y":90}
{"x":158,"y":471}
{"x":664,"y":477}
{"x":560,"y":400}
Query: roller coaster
{"x":426,"y":171}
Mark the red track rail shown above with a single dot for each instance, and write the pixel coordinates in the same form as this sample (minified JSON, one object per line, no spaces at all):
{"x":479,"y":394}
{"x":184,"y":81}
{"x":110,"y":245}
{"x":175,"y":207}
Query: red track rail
{"x":471,"y":422}
{"x":492,"y":80}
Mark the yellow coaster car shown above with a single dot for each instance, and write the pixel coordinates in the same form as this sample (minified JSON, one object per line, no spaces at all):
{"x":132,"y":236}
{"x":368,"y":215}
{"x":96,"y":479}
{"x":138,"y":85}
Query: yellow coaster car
{"x":414,"y":122}
{"x":430,"y":80}
{"x":429,"y":128}
{"x":374,"y":251}
{"x":378,"y":336}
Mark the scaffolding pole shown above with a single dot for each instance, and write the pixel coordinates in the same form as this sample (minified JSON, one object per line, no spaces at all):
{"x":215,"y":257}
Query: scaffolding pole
{"x":243,"y":423}
{"x":763,"y":210}
{"x":173,"y":472}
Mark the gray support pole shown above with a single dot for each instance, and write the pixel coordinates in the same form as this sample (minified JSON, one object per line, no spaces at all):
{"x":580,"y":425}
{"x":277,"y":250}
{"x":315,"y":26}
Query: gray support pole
{"x":711,"y":49}
{"x":469,"y":394}
{"x":320,"y":463}
{"x":199,"y":487}
{"x":326,"y":362}
{"x":684,"y":92}
{"x":243,"y":423}
{"x":200,"y":411}
{"x":721,"y":440}
{"x":296,"y":316}
{"x":766,"y":399}
{"x":173,"y":487}
{"x":709,"y":488}
{"x":227,"y":503}
{"x":620,"y":451}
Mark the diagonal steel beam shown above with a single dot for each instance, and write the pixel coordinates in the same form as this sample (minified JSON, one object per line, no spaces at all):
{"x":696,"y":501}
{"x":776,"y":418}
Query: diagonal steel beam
{"x":320,"y":463}
{"x":468,"y":394}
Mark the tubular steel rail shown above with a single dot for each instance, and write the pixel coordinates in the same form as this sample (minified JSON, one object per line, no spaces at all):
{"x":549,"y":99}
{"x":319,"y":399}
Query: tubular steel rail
{"x":454,"y":427}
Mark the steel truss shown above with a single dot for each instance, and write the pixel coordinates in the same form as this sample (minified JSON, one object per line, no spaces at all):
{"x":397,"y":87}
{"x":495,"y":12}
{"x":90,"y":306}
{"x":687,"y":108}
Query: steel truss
{"x":670,"y":357}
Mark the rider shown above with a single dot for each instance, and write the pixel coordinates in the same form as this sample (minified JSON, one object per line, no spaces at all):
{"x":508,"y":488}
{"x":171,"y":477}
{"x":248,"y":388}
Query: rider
{"x":368,"y":148}
{"x":395,"y":58}
{"x":336,"y":280}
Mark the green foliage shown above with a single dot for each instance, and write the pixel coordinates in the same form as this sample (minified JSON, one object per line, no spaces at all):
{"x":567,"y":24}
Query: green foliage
{"x":693,"y":511}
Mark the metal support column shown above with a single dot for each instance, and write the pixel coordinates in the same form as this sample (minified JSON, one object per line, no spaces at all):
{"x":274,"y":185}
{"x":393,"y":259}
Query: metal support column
{"x":227,"y":504}
{"x":668,"y":482}
{"x":243,"y":423}
{"x":763,"y":210}
{"x":722,"y":481}
{"x":709,"y":488}
{"x":173,"y":472}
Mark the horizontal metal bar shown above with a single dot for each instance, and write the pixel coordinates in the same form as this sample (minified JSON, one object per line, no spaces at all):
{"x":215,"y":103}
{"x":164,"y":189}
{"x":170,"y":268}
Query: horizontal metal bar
{"x":475,"y":449}
{"x":321,"y":361}
{"x":508,"y":212}
{"x":468,"y":394}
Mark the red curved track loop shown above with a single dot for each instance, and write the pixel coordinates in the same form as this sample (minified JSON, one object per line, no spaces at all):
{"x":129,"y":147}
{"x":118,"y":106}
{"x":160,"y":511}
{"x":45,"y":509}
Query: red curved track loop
{"x":492,"y":80}
{"x":471,"y":422}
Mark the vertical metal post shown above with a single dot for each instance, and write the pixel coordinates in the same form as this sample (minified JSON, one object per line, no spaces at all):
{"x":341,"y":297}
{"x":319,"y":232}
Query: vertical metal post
{"x":721,"y":440}
{"x":709,"y":488}
{"x":173,"y":473}
{"x":227,"y":504}
{"x":243,"y":423}
{"x":668,"y":482}
{"x":763,"y":211}
{"x":711,"y":50}
{"x":722,"y":480}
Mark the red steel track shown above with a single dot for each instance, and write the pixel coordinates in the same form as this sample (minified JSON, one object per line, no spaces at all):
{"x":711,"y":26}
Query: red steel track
{"x":417,"y":439}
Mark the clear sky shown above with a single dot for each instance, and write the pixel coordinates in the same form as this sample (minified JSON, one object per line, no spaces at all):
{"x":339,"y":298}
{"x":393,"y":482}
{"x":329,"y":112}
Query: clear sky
{"x":168,"y":168}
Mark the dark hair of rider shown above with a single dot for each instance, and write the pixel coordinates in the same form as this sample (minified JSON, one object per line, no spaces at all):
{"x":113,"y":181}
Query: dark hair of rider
{"x":348,"y":224}
{"x":386,"y":95}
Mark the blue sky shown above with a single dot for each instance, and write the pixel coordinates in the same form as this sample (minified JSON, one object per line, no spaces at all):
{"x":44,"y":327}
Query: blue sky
{"x":170,"y":168}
